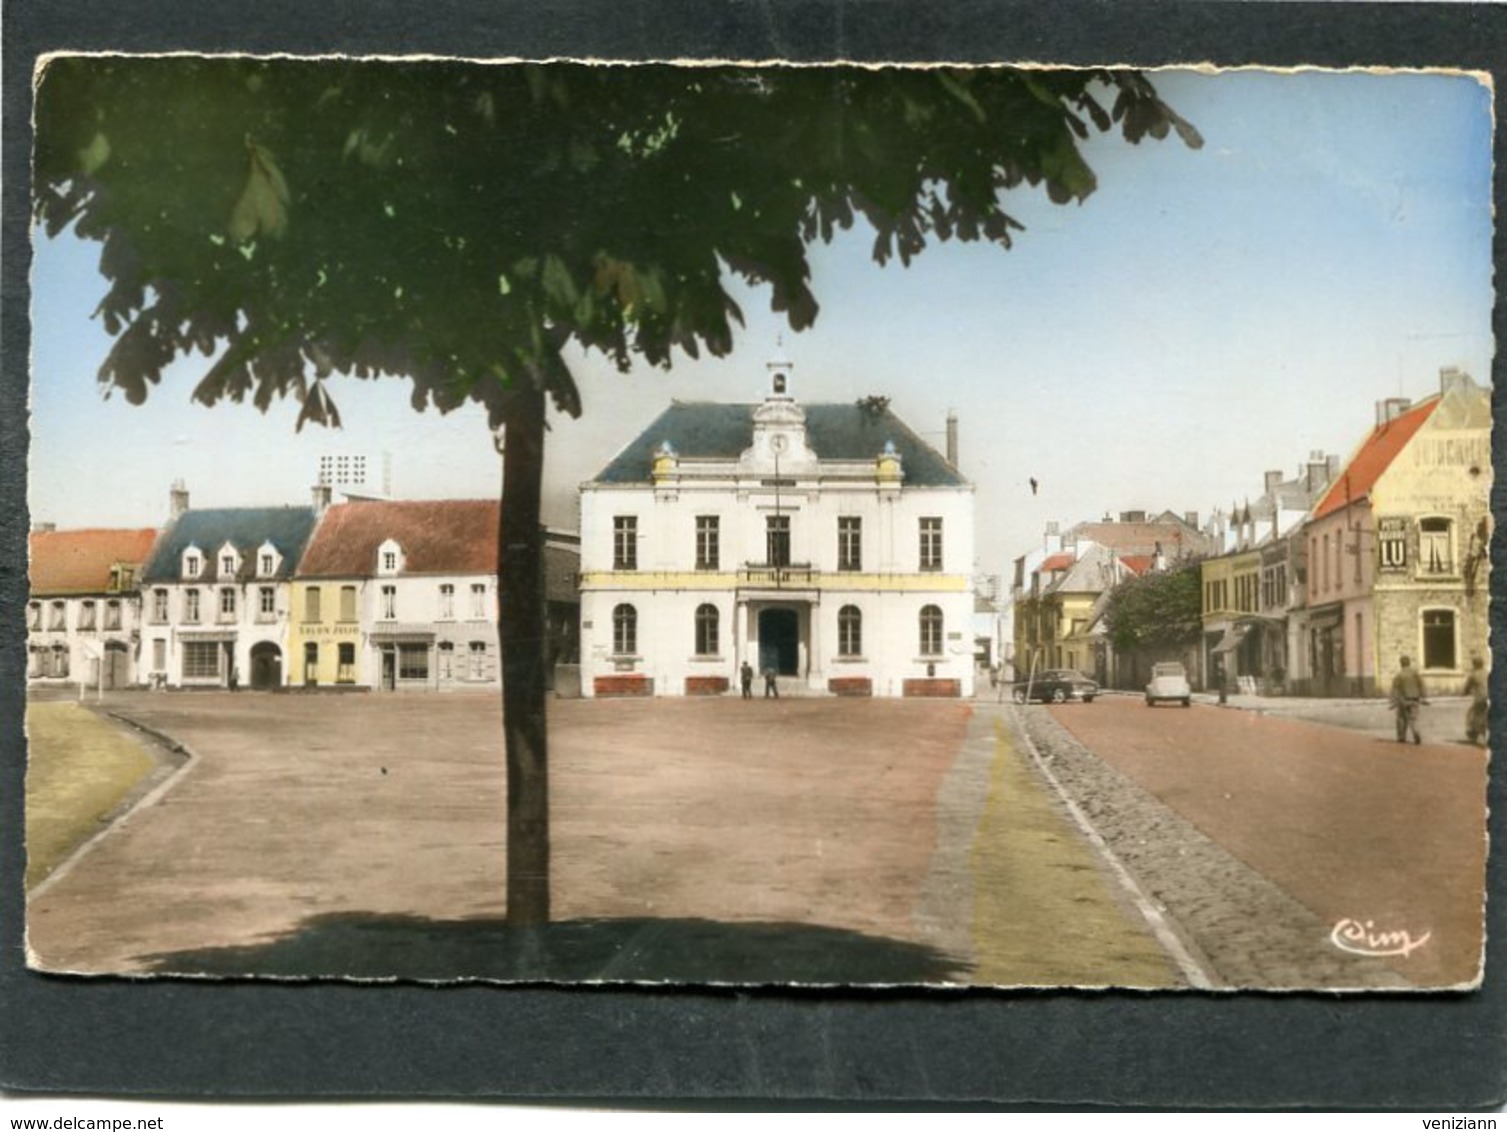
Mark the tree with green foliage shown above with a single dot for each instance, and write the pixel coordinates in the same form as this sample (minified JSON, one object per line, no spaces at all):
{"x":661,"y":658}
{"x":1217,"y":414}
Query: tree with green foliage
{"x":457,"y":225}
{"x":1156,"y":612}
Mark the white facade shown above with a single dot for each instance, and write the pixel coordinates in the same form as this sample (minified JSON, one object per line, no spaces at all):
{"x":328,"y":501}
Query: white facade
{"x":430,"y":633}
{"x":88,"y":640}
{"x":795,"y":541}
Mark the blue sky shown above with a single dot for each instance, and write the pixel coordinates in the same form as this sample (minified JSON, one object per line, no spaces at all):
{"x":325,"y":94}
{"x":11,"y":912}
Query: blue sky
{"x":1204,"y":316}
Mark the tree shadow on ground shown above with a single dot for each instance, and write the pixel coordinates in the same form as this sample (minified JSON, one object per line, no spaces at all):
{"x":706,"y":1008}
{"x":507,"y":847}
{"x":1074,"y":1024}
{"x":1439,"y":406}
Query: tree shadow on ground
{"x":371,"y":946}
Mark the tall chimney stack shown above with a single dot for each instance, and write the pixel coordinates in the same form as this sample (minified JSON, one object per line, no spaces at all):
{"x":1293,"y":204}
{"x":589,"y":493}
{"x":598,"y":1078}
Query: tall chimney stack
{"x":952,"y":437}
{"x":321,"y":499}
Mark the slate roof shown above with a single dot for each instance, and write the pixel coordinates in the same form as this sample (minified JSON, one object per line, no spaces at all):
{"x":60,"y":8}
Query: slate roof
{"x":704,"y":430}
{"x":1374,"y":457}
{"x":79,"y":562}
{"x":245,"y":528}
{"x":439,"y":536}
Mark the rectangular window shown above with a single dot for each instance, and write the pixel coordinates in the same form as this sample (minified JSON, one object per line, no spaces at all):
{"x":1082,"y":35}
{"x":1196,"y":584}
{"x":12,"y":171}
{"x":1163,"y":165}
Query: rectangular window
{"x":478,"y":660}
{"x":86,"y":615}
{"x":706,"y":630}
{"x":311,"y":603}
{"x":413,"y":661}
{"x":58,"y":616}
{"x":347,"y":603}
{"x":34,"y":615}
{"x":191,"y":606}
{"x":159,"y":607}
{"x":625,"y":542}
{"x":191,"y":566}
{"x":159,"y":655}
{"x":478,"y":601}
{"x":112,"y":615}
{"x":266,"y":564}
{"x":777,"y":539}
{"x":227,"y":604}
{"x":227,"y":566}
{"x":389,"y":560}
{"x":346,"y":673}
{"x":1434,"y":555}
{"x":931,"y":543}
{"x":445,"y":660}
{"x":201,"y":660}
{"x":1439,"y":638}
{"x":389,"y":602}
{"x":266,"y":603}
{"x":708,"y":550}
{"x":447,"y":602}
{"x":850,"y":543}
{"x":311,"y":662}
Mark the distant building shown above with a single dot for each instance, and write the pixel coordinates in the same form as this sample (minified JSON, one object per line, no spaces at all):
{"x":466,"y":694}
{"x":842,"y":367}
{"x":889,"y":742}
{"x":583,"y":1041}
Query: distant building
{"x":356,"y":475}
{"x":83,"y":616}
{"x":215,"y":595}
{"x":402,"y":596}
{"x":1252,"y":592}
{"x":826,"y":543}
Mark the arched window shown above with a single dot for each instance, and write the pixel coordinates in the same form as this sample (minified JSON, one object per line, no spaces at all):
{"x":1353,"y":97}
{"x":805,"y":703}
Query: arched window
{"x":931,"y":630}
{"x":706,"y":630}
{"x":849,"y":631}
{"x":625,"y":630}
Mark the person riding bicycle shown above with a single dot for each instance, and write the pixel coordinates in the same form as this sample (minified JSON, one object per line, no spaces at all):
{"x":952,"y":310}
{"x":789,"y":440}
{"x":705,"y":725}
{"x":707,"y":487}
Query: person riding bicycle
{"x":1407,"y":695}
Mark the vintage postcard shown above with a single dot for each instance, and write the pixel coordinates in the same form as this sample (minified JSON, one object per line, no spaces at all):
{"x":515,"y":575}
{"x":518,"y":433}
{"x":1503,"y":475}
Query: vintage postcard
{"x":759,"y":524}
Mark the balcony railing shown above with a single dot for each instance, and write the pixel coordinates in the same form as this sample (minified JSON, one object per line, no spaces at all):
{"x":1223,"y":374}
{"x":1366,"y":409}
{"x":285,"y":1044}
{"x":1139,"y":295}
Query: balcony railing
{"x":792,"y":576}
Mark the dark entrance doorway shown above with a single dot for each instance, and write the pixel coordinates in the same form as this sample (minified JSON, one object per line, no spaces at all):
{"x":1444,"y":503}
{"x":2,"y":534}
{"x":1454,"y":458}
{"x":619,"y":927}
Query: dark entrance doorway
{"x":389,"y":667}
{"x":266,"y":666}
{"x":117,"y":665}
{"x":780,"y":641}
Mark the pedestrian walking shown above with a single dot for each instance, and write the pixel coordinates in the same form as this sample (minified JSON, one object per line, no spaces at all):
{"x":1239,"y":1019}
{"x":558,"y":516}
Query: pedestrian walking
{"x":1407,"y":696}
{"x":1475,"y":716}
{"x":771,"y":686}
{"x":745,"y":677}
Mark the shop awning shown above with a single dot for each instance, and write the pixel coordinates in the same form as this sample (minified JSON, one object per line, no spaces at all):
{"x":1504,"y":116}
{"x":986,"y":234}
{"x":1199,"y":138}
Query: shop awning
{"x":1231,"y":639}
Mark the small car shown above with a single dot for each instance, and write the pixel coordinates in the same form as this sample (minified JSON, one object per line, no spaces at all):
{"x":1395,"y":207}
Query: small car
{"x":1169,"y":681}
{"x":1057,"y":685}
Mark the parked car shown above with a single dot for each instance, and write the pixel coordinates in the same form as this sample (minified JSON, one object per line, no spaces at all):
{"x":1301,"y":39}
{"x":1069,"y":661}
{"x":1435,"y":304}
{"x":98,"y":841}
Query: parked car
{"x":1169,"y":681}
{"x":1057,"y":685}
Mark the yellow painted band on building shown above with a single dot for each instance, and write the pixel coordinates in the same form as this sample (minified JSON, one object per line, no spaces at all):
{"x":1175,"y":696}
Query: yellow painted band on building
{"x":832,"y":582}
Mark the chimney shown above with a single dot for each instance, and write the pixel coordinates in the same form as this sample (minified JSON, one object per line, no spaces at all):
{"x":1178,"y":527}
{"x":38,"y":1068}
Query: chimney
{"x":1191,"y":518}
{"x":952,"y":437}
{"x":1332,"y":464}
{"x":321,"y":499}
{"x":1271,"y":481}
{"x":1132,"y":516}
{"x":177,"y":500}
{"x":1391,"y":409}
{"x":1452,"y":378}
{"x":1053,"y":541}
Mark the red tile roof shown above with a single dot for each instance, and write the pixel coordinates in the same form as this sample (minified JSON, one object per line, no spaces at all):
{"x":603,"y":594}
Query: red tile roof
{"x":1373,"y":458}
{"x":1056,"y":562}
{"x":79,"y":562}
{"x":1137,"y":564}
{"x":445,"y":536}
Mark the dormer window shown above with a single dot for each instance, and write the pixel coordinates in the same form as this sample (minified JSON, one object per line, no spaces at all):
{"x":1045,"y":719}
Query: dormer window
{"x":267,"y":560}
{"x":389,"y":558}
{"x":230,"y":561}
{"x":193,"y":562}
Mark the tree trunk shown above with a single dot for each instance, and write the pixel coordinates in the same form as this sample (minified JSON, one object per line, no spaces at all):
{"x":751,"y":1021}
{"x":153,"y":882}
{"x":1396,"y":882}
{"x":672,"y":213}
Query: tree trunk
{"x":521,"y":637}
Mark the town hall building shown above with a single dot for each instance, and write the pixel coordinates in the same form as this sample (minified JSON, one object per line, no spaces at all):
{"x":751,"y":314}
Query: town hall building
{"x":825,"y":543}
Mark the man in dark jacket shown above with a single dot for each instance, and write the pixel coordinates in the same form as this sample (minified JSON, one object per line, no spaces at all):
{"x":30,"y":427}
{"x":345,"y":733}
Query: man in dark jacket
{"x":1407,"y":695}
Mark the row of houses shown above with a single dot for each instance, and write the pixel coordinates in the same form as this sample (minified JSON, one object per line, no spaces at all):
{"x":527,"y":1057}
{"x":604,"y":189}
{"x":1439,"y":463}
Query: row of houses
{"x":353,"y":595}
{"x":1317,"y":587}
{"x":826,"y":544}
